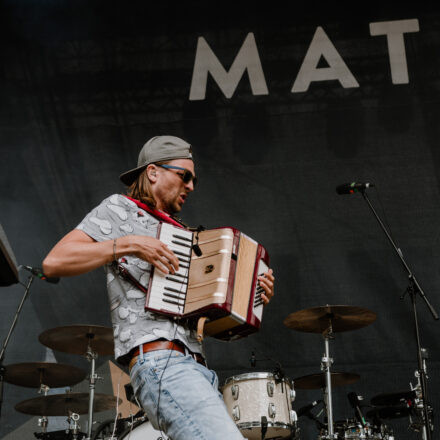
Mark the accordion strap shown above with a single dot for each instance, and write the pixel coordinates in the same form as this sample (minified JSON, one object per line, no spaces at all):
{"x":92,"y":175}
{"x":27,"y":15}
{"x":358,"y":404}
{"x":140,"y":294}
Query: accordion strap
{"x":201,"y":327}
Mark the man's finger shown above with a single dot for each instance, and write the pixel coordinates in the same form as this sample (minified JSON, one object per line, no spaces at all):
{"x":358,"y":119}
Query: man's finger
{"x":172,"y":258}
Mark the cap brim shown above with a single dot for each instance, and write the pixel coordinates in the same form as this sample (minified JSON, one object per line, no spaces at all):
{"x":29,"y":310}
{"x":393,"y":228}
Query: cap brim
{"x":130,"y":176}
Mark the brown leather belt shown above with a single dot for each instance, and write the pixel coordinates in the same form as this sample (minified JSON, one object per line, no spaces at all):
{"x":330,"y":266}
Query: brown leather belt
{"x":163,"y":345}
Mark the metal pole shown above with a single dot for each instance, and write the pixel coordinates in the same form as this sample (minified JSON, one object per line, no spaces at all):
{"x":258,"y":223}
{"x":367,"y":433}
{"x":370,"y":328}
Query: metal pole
{"x":326,"y":362}
{"x":426,"y":432}
{"x":91,"y":356}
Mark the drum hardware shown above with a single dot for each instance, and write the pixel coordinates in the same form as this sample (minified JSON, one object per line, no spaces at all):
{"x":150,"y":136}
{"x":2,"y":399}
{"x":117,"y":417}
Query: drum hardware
{"x":91,"y":356}
{"x":327,"y":320}
{"x":355,"y":402}
{"x":88,"y":341}
{"x":417,"y":419}
{"x":74,"y":419}
{"x":352,"y":430}
{"x":42,"y":423}
{"x":326,"y":363}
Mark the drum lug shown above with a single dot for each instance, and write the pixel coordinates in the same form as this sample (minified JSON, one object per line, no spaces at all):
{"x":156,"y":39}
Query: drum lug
{"x":235,"y":389}
{"x":271,"y":410}
{"x":270,"y":389}
{"x":292,"y":395}
{"x":293,"y":416}
{"x":236,"y":413}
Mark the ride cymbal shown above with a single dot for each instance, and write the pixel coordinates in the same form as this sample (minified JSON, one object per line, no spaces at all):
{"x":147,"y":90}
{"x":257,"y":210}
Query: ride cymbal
{"x":317,"y":381}
{"x":75,"y":339}
{"x":35,"y":374}
{"x":63,"y":404}
{"x":339,"y":318}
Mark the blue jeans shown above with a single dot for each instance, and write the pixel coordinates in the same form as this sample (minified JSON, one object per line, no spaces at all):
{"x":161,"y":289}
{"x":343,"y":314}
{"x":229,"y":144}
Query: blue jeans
{"x":190,"y":406}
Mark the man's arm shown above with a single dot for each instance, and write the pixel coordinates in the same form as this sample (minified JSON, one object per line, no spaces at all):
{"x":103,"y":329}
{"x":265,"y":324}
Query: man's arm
{"x":78,"y":253}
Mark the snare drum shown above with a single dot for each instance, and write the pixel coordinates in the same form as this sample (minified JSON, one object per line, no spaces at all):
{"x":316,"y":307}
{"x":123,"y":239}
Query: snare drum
{"x":261,"y":404}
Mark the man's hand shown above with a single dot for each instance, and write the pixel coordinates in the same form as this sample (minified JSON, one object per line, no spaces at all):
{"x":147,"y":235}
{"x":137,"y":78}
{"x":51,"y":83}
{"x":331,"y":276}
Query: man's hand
{"x":156,"y":253}
{"x":267,"y":283}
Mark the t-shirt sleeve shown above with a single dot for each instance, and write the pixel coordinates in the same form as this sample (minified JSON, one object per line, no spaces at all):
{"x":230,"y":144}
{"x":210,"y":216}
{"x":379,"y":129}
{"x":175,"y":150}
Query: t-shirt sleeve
{"x":108,"y":220}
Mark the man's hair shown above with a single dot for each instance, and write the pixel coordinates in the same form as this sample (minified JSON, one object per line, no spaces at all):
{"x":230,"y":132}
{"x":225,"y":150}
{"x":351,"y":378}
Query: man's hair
{"x":141,"y":189}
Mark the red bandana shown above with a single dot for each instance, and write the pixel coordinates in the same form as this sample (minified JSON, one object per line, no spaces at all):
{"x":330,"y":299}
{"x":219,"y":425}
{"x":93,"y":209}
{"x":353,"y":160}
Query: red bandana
{"x":155,"y":213}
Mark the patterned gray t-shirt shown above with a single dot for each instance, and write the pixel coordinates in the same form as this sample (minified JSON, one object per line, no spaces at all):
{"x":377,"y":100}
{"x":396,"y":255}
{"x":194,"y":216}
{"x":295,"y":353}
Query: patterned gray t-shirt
{"x":118,"y":216}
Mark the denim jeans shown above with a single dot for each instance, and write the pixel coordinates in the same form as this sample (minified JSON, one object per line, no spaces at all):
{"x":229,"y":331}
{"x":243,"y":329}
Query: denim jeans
{"x":190,"y":406}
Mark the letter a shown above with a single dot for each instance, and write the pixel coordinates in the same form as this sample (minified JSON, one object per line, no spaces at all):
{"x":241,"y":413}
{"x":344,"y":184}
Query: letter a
{"x":246,"y":59}
{"x":322,"y":46}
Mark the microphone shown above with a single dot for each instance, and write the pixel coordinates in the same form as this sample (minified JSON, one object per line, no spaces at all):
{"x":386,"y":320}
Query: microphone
{"x":351,"y":188}
{"x":354,"y":400}
{"x":305,"y":409}
{"x":197,"y":250}
{"x":39,"y":274}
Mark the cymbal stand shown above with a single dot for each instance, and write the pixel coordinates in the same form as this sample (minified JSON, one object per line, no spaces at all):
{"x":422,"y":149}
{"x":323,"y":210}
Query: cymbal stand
{"x":326,"y":363}
{"x":74,"y":418}
{"x":414,"y":289}
{"x":91,"y":357}
{"x":43,"y":421}
{"x":417,"y":423}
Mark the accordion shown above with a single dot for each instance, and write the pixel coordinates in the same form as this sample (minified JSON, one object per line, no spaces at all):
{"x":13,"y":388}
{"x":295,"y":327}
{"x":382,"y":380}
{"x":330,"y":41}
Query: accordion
{"x":217,"y":279}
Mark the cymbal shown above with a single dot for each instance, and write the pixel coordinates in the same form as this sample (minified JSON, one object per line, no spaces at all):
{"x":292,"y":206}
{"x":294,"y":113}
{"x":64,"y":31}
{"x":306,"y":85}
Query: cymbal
{"x":389,"y":399}
{"x":74,"y":339}
{"x":34,"y":374}
{"x":389,"y":412}
{"x":316,"y":381}
{"x":341,"y":318}
{"x":61,"y":404}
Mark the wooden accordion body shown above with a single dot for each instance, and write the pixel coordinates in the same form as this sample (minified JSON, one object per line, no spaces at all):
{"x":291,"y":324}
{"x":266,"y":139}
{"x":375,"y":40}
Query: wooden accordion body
{"x":220,"y":284}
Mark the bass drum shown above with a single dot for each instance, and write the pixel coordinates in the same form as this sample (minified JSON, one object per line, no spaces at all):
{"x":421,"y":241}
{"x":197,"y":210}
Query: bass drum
{"x":136,"y":428}
{"x":142,"y":430}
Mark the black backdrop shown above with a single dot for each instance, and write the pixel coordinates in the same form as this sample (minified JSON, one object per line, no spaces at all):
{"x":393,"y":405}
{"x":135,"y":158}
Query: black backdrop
{"x":86,"y":83}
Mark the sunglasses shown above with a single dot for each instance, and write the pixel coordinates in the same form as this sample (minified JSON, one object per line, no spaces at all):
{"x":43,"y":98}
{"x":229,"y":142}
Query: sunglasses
{"x":186,"y":176}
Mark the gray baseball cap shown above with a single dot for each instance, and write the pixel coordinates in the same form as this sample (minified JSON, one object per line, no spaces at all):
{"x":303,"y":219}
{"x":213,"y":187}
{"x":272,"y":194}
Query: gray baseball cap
{"x":157,"y":149}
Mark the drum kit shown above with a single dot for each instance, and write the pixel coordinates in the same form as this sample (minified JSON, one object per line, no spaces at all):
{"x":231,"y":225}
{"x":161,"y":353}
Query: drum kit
{"x":271,"y":416}
{"x":260,"y":403}
{"x":86,"y":340}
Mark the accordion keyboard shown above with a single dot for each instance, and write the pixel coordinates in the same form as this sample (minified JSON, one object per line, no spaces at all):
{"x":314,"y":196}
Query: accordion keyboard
{"x":168,"y":291}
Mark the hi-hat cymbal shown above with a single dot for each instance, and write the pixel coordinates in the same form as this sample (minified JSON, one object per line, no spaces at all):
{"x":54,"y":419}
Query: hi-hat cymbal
{"x":75,"y":339}
{"x":62,"y":404}
{"x":388,"y":399}
{"x":34,"y":374}
{"x":340,"y":318}
{"x":317,"y":381}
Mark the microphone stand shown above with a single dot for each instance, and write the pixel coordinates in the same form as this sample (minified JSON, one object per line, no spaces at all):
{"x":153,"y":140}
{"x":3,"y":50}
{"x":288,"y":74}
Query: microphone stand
{"x":5,"y":344}
{"x":413,"y":289}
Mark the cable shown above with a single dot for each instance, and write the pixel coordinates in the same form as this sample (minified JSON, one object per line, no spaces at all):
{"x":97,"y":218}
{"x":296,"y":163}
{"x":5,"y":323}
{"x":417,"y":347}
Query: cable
{"x":117,"y":408}
{"x":166,"y":365}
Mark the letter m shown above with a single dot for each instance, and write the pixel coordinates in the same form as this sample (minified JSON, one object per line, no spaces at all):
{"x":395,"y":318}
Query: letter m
{"x":246,"y":59}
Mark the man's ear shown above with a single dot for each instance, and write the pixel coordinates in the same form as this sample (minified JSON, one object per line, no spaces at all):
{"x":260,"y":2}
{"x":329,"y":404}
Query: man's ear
{"x":152,"y":172}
